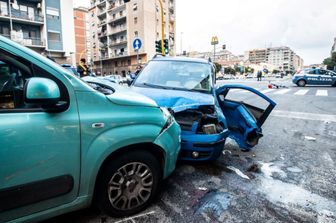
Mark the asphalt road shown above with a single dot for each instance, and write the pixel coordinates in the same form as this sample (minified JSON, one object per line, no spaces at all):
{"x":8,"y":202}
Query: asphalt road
{"x":289,"y":176}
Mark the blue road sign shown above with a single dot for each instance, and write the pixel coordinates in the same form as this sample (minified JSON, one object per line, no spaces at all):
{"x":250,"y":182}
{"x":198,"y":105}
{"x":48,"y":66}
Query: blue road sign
{"x":137,"y":44}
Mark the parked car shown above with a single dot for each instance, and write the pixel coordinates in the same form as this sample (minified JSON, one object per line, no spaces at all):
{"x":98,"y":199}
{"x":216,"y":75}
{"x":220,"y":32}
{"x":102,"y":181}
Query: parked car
{"x":70,"y":68}
{"x":65,"y":145}
{"x":314,"y":76}
{"x":186,"y":86}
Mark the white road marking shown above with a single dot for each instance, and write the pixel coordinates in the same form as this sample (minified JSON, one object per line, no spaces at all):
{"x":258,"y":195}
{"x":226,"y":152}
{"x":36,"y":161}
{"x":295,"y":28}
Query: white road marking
{"x":301,"y":92}
{"x":267,"y":91}
{"x":282,"y":91}
{"x":322,"y":93}
{"x":303,"y":115}
{"x":136,"y":216}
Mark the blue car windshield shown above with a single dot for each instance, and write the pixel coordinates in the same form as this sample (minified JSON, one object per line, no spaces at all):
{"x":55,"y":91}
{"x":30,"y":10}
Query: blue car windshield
{"x":176,"y":75}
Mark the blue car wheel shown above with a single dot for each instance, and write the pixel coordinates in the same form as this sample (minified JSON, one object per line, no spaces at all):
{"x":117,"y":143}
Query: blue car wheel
{"x":301,"y":83}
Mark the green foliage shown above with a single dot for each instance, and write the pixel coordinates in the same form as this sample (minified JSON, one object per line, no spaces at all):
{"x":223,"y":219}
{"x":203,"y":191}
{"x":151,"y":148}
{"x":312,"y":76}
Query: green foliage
{"x":275,"y":71}
{"x":330,"y":62}
{"x":229,"y":70}
{"x":218,"y":67}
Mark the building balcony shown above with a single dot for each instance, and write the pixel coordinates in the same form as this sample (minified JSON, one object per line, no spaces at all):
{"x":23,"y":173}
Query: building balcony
{"x":116,"y":20}
{"x":117,"y":31}
{"x":101,"y":13}
{"x":116,"y":7}
{"x":102,"y":34}
{"x":101,"y":3}
{"x":30,"y":42}
{"x":117,"y":43}
{"x":23,"y":18}
{"x":117,"y":55}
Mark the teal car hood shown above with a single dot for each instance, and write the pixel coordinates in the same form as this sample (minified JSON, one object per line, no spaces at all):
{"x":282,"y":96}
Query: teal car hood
{"x":123,"y":96}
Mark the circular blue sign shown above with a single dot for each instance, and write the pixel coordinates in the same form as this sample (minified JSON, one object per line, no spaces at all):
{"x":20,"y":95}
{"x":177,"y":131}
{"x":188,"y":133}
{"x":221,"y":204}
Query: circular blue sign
{"x":137,"y":44}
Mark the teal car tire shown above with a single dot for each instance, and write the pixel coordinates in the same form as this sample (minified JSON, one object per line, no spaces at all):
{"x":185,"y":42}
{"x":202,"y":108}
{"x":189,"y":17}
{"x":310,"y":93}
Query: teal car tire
{"x":128,"y":184}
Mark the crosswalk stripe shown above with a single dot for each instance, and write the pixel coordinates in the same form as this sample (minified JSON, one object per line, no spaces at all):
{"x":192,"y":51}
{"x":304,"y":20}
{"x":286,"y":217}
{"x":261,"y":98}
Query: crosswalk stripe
{"x":301,"y":92}
{"x":282,"y":91}
{"x":321,"y":93}
{"x":267,"y":91}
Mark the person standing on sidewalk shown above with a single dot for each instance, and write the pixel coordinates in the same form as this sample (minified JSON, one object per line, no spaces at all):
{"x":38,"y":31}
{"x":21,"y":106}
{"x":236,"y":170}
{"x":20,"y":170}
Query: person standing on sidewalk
{"x":259,"y":75}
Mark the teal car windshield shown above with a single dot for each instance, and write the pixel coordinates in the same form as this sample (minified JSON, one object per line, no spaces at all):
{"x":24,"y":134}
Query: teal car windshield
{"x":176,"y":75}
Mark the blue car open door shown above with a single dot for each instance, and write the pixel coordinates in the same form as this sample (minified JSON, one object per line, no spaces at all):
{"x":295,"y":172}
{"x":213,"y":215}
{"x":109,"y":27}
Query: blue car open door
{"x":246,"y":109}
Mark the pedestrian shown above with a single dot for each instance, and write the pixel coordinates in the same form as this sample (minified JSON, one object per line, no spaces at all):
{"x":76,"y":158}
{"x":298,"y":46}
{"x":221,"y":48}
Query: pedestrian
{"x":137,"y":71}
{"x":82,"y":68}
{"x":259,"y":74}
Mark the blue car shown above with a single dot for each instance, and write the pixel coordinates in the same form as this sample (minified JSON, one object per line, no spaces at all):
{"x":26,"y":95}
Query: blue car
{"x":206,"y":115}
{"x":314,"y":76}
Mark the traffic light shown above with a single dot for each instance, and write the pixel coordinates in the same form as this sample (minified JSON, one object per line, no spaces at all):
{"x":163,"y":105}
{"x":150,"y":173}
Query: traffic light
{"x":158,"y":46}
{"x":166,"y":46}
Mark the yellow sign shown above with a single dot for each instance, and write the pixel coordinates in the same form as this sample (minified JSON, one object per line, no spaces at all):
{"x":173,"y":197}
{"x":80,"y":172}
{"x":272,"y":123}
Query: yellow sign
{"x":214,"y":40}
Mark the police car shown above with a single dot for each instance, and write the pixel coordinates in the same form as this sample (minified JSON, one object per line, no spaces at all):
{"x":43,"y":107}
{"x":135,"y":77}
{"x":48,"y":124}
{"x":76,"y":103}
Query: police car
{"x":314,"y":76}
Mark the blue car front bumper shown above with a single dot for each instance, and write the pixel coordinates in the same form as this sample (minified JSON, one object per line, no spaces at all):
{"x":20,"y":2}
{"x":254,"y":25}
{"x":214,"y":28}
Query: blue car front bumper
{"x":202,"y":147}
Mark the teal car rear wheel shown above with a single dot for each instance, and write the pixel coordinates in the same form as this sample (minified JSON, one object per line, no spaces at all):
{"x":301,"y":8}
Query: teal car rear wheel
{"x":128,"y":184}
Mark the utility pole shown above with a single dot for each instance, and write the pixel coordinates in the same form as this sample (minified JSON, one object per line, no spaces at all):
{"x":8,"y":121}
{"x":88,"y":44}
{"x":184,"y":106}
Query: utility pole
{"x":10,"y":18}
{"x":181,"y":43}
{"x":162,"y":28}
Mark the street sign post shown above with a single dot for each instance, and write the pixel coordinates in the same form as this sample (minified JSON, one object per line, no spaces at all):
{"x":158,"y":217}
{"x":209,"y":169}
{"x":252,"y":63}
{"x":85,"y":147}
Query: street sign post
{"x":214,"y":42}
{"x":137,"y":46}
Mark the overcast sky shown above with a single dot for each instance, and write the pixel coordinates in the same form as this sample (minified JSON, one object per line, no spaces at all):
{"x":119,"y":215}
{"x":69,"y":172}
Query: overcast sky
{"x":306,"y":26}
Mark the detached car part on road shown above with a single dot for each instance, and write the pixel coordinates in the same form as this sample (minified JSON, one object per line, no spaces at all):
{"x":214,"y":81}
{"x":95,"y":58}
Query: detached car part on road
{"x":64,"y":145}
{"x":314,"y":76}
{"x":207,"y":117}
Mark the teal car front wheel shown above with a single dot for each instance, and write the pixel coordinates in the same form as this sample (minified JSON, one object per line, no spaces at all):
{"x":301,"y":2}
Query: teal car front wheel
{"x":128,"y":184}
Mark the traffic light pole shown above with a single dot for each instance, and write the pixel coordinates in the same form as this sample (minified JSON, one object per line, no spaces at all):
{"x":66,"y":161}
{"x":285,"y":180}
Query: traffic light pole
{"x":162,"y":28}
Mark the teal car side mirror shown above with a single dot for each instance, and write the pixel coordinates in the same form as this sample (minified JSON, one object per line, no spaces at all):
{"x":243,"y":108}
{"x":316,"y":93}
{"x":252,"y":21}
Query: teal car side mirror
{"x":41,"y":91}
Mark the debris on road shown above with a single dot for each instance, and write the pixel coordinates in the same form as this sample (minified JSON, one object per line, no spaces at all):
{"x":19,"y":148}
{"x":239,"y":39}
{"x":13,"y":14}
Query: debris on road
{"x":202,"y":188}
{"x":254,"y":168}
{"x":309,"y":138}
{"x":238,"y":172}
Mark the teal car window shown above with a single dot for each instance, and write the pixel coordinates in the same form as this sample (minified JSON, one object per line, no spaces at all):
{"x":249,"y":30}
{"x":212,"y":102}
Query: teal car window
{"x":14,"y":73}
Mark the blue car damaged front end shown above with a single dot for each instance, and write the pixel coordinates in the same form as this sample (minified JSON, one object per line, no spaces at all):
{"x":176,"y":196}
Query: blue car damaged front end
{"x":204,"y":127}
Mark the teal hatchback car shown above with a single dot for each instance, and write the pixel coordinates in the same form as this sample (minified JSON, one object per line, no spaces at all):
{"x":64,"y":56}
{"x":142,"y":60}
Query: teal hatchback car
{"x":65,"y":145}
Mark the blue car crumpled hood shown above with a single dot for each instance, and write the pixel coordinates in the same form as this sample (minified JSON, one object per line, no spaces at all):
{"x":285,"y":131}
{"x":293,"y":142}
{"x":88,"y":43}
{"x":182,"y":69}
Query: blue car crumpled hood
{"x":176,"y":99}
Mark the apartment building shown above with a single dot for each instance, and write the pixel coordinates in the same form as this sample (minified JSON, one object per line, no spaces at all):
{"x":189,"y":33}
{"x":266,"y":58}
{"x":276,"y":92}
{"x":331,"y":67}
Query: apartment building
{"x":283,"y":58}
{"x":42,"y":25}
{"x":114,"y":26}
{"x":82,"y":34}
{"x":257,"y":56}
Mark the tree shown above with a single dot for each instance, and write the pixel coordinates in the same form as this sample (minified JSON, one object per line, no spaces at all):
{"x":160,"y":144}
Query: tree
{"x":218,"y":67}
{"x":229,"y":70}
{"x":330,"y":62}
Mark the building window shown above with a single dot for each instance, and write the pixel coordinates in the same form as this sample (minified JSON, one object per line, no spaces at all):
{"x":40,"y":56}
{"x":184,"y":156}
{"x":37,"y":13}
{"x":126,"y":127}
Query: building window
{"x":54,"y":36}
{"x":136,"y":33}
{"x":3,"y":8}
{"x":135,"y":20}
{"x":52,"y":13}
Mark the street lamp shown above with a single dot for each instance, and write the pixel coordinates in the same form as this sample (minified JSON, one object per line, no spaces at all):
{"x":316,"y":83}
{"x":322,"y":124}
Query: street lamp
{"x":214,"y":42}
